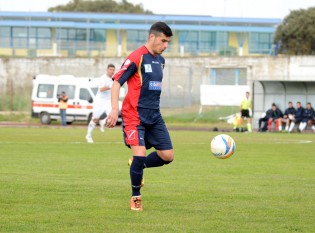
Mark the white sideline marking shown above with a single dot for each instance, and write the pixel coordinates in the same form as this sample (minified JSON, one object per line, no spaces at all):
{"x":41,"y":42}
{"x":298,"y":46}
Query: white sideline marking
{"x":36,"y":143}
{"x":191,"y":143}
{"x":295,"y":141}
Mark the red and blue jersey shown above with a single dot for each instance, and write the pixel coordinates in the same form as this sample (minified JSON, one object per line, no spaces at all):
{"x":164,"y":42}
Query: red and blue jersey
{"x":143,"y":73}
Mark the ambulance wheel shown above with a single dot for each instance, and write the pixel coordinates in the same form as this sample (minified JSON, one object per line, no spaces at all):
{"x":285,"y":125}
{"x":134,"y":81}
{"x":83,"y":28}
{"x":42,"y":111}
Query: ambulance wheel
{"x":45,"y":118}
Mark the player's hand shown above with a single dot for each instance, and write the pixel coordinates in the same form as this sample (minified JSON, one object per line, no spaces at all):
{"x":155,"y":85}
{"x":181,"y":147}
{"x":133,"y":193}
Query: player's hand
{"x":112,"y":118}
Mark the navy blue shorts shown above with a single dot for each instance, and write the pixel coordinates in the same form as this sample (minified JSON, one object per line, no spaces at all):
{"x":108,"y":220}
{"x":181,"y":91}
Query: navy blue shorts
{"x":150,"y":132}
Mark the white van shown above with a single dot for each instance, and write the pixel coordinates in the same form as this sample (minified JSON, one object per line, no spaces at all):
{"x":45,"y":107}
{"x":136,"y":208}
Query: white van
{"x":80,"y":91}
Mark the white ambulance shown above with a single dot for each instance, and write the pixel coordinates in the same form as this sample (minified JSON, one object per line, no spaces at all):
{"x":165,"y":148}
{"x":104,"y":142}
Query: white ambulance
{"x":81,"y":92}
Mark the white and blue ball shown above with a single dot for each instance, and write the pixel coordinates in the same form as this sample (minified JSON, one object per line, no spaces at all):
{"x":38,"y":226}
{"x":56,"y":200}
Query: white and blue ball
{"x":222,"y":146}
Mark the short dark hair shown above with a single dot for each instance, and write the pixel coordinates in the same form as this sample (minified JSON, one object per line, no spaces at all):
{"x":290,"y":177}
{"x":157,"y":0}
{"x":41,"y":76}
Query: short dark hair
{"x":110,"y":65}
{"x":161,"y":27}
{"x":273,"y":104}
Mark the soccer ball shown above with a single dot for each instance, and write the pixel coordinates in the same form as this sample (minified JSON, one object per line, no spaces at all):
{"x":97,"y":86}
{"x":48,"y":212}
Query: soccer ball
{"x":222,"y":146}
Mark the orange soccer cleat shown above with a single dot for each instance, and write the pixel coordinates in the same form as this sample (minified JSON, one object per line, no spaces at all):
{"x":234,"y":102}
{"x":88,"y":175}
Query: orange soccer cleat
{"x":136,"y":203}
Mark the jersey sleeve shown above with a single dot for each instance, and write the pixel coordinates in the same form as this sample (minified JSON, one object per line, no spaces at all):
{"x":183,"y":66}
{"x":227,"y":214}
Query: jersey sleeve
{"x":127,"y":70}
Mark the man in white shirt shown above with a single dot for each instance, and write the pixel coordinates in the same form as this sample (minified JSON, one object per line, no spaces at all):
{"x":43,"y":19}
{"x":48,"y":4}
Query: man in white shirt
{"x":102,"y":102}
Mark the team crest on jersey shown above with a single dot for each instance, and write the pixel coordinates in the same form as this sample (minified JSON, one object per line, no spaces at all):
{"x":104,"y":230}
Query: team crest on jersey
{"x":127,"y":62}
{"x":148,"y":68}
{"x":155,"y":85}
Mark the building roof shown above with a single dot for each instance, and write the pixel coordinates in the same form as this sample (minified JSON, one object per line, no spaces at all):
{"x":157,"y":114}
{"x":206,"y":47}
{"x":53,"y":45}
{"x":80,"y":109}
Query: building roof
{"x":136,"y":21}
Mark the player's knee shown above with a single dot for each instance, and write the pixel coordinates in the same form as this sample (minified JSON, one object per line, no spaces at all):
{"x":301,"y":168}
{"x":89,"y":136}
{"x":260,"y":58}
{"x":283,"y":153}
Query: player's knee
{"x":169,"y":157}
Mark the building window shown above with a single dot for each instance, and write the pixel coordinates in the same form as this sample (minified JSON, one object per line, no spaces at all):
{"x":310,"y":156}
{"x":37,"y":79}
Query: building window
{"x":19,"y":36}
{"x":203,"y":42}
{"x":260,"y":43}
{"x":98,"y":39}
{"x":98,"y":35}
{"x":207,"y":41}
{"x":189,"y":39}
{"x":81,"y":39}
{"x":24,"y":37}
{"x":222,"y":43}
{"x":135,"y":39}
{"x":228,"y":76}
{"x":5,"y":37}
{"x":39,"y":38}
{"x":44,"y":37}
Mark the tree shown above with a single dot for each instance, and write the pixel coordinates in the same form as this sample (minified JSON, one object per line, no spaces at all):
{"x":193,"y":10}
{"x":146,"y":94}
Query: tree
{"x":296,"y":34}
{"x":108,"y":6}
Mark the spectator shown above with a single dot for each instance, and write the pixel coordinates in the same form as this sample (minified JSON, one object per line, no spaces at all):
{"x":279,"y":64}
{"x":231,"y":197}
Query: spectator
{"x":297,"y":118}
{"x":275,"y":117}
{"x":264,"y":118}
{"x":63,"y":105}
{"x":307,"y":117}
{"x":288,"y":115}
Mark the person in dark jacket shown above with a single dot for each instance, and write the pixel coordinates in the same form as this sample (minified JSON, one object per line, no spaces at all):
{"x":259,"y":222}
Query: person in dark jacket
{"x":297,"y":117}
{"x":288,"y":115}
{"x":275,"y":118}
{"x":307,"y":117}
{"x":264,"y":119}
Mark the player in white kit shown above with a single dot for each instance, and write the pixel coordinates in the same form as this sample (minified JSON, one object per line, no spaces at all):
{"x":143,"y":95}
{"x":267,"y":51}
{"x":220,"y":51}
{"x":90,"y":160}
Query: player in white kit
{"x":102,"y":102}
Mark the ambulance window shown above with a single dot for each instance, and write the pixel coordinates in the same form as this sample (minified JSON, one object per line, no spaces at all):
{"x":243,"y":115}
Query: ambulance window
{"x":68,"y":89}
{"x":85,"y":94}
{"x":94,"y":89}
{"x":45,"y":91}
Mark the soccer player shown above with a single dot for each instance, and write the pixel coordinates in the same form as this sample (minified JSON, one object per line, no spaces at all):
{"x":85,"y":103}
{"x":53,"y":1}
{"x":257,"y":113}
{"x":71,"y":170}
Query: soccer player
{"x":288,"y":116}
{"x":143,"y":125}
{"x":275,"y":117}
{"x":297,"y":117}
{"x":246,"y":106}
{"x":102,"y":102}
{"x":307,"y":117}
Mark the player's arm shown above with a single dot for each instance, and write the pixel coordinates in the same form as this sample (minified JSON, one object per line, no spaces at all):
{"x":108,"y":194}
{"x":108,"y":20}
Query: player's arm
{"x":113,"y":115}
{"x":105,"y":88}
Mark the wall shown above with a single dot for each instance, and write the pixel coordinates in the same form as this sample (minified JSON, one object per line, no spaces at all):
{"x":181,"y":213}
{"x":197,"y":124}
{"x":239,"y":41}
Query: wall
{"x":182,"y":76}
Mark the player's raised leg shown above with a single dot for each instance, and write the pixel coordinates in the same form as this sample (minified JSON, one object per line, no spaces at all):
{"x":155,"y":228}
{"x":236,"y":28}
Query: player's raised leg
{"x":159,"y":158}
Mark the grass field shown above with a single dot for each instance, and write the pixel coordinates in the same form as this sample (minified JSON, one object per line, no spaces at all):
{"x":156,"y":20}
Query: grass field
{"x":51,"y":180}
